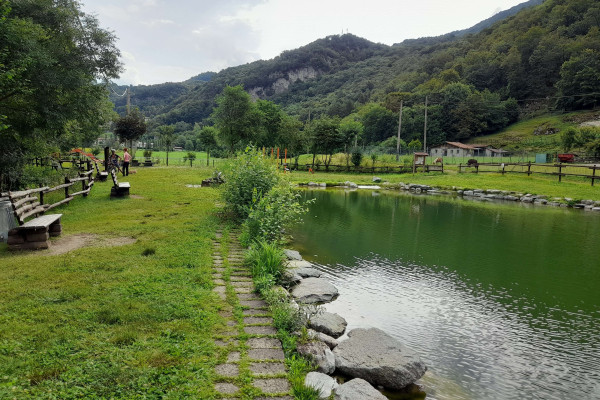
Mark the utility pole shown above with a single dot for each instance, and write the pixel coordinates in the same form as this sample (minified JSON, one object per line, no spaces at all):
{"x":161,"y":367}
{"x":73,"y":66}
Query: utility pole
{"x":128,"y":99}
{"x":425,"y":129}
{"x":399,"y":130}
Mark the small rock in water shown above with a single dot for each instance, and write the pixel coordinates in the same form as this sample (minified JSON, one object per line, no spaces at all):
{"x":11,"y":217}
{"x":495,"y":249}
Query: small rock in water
{"x":323,"y":383}
{"x":328,"y":340}
{"x":314,"y":290}
{"x":321,"y":355}
{"x":328,"y":323}
{"x":357,"y":389}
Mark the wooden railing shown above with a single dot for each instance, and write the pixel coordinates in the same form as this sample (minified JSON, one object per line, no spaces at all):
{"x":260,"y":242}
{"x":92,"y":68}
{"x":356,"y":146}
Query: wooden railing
{"x":529,"y":168}
{"x":351,"y":168}
{"x":86,"y":179}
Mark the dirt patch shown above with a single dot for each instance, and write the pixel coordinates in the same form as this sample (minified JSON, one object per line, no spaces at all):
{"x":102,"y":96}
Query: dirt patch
{"x":135,"y":196}
{"x":74,"y":242}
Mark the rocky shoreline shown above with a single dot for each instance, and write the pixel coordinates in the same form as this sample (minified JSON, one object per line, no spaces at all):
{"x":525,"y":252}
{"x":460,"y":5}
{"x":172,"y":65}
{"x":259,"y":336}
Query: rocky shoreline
{"x":474,"y":194}
{"x":370,"y":357}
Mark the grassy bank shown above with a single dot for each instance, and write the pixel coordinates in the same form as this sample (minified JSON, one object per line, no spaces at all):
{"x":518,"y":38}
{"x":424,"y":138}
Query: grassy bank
{"x":130,"y":316}
{"x":575,"y":188}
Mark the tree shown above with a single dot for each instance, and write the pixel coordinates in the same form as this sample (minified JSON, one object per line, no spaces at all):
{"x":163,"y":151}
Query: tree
{"x":292,"y":137}
{"x":234,"y":117}
{"x":379,"y":123}
{"x":207,"y":136}
{"x":327,"y":138}
{"x":167,"y":133}
{"x":52,"y":58}
{"x":269,"y":117}
{"x":579,"y":82}
{"x":350,"y":130}
{"x":130,"y":127}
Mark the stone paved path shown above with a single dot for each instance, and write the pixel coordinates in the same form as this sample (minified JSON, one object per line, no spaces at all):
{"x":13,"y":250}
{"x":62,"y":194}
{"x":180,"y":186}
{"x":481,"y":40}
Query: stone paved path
{"x":254,"y":361}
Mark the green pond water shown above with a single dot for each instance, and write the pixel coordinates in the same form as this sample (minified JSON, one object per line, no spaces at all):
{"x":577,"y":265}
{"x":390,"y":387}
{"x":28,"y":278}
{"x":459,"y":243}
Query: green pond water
{"x":502,"y":300}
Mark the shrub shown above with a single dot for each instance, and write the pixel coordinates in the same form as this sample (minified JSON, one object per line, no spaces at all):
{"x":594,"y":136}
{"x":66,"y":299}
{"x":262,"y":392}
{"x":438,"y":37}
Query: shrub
{"x":272,"y":213}
{"x":250,"y":177}
{"x":357,"y":157}
{"x":264,"y":259}
{"x":147,"y":153}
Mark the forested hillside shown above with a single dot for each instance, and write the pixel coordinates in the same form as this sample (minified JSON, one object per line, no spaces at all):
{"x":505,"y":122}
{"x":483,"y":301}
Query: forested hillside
{"x":545,"y":57}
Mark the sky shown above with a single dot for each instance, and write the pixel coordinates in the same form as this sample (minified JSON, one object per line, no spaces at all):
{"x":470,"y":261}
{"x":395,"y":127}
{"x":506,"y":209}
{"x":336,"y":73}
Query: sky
{"x":173,"y":40}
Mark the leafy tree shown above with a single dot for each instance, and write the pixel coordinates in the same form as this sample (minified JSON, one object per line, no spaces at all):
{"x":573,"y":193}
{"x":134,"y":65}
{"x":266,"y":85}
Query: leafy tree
{"x":130,"y":127}
{"x":580,"y":81}
{"x":207,"y":137}
{"x":379,"y":123}
{"x":269,"y":119}
{"x":415,"y":145}
{"x":327,"y":138}
{"x":568,"y":138}
{"x":234,"y":117}
{"x":51,"y":60}
{"x":292,"y":137}
{"x":167,"y":135}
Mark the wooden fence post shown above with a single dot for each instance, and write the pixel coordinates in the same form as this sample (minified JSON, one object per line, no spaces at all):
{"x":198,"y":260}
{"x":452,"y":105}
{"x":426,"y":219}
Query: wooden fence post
{"x":529,"y":168}
{"x":593,"y":175}
{"x":560,"y":172}
{"x":66,"y":188}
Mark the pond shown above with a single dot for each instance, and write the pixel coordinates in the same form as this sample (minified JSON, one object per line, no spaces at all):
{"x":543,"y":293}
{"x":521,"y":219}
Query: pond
{"x":501,"y":301}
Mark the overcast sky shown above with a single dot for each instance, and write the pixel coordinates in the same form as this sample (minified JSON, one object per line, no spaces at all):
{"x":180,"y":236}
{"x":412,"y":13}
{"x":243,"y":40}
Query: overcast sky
{"x":171,"y":41}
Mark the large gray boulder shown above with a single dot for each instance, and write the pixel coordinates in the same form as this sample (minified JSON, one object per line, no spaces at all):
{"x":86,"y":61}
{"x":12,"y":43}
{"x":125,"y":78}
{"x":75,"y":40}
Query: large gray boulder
{"x":314,"y":290}
{"x":300,"y":269}
{"x":320,"y":354}
{"x":323,"y":383}
{"x":375,"y":356}
{"x":292,"y":254}
{"x":328,"y":323}
{"x":357,"y":389}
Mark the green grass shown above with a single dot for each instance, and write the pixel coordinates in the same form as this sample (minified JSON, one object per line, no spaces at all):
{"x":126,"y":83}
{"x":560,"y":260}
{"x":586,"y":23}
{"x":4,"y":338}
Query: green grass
{"x":176,"y":158}
{"x":519,"y":136}
{"x":132,"y":321}
{"x":573,"y":187}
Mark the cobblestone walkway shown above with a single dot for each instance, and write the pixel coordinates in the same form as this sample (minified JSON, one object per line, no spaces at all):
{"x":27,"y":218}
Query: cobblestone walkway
{"x":254,"y":366}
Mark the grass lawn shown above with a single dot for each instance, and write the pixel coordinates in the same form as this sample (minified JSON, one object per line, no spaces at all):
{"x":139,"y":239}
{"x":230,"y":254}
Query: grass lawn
{"x":573,"y":187}
{"x":129,"y":321}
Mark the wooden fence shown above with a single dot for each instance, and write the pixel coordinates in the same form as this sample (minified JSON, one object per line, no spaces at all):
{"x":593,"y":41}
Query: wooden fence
{"x":399,"y":169}
{"x":529,"y":168}
{"x":86,"y":179}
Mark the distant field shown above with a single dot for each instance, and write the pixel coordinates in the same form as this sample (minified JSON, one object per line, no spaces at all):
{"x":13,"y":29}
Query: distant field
{"x":520,"y":135}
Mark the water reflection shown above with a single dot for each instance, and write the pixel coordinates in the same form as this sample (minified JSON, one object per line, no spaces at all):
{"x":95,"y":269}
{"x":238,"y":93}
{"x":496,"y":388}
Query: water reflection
{"x":500,"y":302}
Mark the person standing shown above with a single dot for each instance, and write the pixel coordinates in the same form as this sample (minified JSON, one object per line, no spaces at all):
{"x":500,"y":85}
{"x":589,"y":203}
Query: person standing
{"x":126,"y":160}
{"x":114,"y":161}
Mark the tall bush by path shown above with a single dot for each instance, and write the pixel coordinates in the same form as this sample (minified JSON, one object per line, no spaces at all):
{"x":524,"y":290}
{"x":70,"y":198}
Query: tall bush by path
{"x":271,"y":214}
{"x":249,"y":177}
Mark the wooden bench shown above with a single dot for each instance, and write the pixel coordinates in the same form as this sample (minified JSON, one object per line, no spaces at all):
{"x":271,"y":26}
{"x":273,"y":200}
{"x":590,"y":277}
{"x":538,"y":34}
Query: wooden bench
{"x":119,"y":189}
{"x":101,"y":175}
{"x":35,"y":233}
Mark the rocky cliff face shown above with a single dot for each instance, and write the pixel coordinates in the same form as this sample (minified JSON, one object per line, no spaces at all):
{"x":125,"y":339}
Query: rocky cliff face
{"x":282,"y":82}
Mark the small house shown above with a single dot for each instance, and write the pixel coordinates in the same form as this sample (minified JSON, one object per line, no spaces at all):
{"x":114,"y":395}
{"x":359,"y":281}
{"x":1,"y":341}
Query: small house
{"x":457,"y":149}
